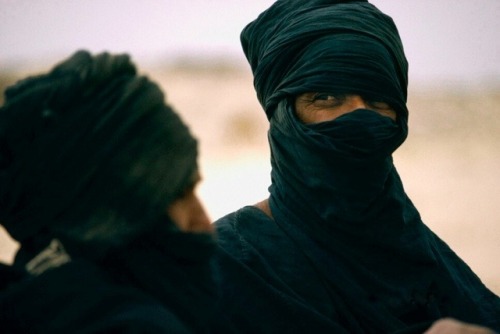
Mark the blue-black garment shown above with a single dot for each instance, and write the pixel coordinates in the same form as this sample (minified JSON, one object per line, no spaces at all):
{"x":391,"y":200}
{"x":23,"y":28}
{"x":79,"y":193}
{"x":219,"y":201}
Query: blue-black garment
{"x":90,"y":158}
{"x":80,"y":298}
{"x":346,"y":249}
{"x":160,"y":283}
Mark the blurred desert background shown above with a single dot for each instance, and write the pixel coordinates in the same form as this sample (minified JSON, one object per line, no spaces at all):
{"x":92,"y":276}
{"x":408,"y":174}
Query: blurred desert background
{"x":450,"y":163}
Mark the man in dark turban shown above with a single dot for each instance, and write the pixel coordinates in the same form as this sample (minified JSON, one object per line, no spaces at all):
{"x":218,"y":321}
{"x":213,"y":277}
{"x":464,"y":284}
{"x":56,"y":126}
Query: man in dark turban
{"x":338,"y":247}
{"x":97,"y":177}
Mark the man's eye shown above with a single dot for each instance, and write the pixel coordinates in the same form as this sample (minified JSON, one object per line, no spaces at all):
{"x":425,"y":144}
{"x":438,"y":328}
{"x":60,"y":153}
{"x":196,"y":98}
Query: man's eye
{"x":329,"y":98}
{"x":380,"y":105}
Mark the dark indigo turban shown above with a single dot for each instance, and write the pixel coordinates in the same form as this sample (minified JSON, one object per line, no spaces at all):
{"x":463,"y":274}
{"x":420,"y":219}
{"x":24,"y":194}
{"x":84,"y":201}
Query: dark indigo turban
{"x":301,"y":46}
{"x":91,"y":154}
{"x":91,"y":149}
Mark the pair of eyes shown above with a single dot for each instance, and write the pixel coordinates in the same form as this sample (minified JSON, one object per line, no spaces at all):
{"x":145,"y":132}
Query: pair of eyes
{"x":329,"y":100}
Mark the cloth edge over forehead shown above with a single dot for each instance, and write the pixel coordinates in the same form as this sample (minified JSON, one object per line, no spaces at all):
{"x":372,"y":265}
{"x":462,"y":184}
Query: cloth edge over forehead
{"x":273,"y":42}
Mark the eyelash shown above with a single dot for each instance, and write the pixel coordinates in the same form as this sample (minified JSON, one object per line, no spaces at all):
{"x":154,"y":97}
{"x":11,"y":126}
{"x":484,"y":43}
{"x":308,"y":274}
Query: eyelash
{"x":379,"y":105}
{"x":325,"y":96}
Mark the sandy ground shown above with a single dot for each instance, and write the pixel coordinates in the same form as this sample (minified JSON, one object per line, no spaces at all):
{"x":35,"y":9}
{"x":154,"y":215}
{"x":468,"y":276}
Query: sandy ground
{"x":449,"y":165}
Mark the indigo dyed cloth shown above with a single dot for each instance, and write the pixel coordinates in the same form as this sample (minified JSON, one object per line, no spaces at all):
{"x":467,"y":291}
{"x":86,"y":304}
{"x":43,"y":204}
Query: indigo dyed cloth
{"x":346,"y":249}
{"x":91,"y":156}
{"x":87,"y":144}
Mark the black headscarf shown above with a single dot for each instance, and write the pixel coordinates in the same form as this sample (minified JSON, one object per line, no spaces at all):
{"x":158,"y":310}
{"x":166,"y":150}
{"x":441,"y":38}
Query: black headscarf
{"x":90,"y":148}
{"x":298,"y":46}
{"x":91,"y":155}
{"x":335,"y":190}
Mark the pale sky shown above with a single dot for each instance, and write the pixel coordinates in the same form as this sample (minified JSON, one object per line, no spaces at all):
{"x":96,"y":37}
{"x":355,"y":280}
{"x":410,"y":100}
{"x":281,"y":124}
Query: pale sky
{"x":444,"y":39}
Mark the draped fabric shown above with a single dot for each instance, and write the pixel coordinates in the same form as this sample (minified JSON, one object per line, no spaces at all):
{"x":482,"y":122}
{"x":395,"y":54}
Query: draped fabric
{"x":173,"y":268}
{"x":90,"y":149}
{"x":335,"y":192}
{"x":153,"y":286}
{"x":298,"y":46}
{"x":338,"y":168}
{"x":91,"y":156}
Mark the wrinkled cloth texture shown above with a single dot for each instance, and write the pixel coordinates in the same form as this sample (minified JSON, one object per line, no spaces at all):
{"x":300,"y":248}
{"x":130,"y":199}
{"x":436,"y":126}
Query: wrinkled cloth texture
{"x":264,"y":272}
{"x":81,"y":144}
{"x":346,"y":248}
{"x":143,"y":289}
{"x":326,"y":45}
{"x":91,"y":157}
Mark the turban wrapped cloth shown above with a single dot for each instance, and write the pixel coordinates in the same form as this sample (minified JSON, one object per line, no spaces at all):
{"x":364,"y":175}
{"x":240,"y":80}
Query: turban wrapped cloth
{"x":91,"y":149}
{"x":325,"y":45}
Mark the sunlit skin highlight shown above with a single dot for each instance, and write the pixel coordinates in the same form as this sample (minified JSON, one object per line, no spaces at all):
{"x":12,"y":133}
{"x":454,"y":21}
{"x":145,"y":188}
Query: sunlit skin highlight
{"x":188,"y":213}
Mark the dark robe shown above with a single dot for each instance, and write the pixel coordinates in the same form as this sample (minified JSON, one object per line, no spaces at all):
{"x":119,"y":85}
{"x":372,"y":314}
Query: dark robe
{"x":268,"y":283}
{"x":159,"y":284}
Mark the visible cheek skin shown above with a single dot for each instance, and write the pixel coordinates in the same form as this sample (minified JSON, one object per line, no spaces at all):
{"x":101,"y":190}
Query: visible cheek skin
{"x":189,"y":215}
{"x":309,"y":111}
{"x":178,"y":214}
{"x":199,"y":222}
{"x":389,"y":113}
{"x":312,"y":115}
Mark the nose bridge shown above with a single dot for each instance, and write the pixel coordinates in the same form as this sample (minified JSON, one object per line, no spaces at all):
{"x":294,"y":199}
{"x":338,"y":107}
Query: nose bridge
{"x":357,"y":102}
{"x":199,"y":215}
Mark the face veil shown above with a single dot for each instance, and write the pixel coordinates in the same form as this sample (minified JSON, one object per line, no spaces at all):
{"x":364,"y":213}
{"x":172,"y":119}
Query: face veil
{"x":336,"y":169}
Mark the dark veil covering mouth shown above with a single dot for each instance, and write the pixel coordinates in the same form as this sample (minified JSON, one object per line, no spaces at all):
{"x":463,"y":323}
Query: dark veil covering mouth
{"x":352,"y":219}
